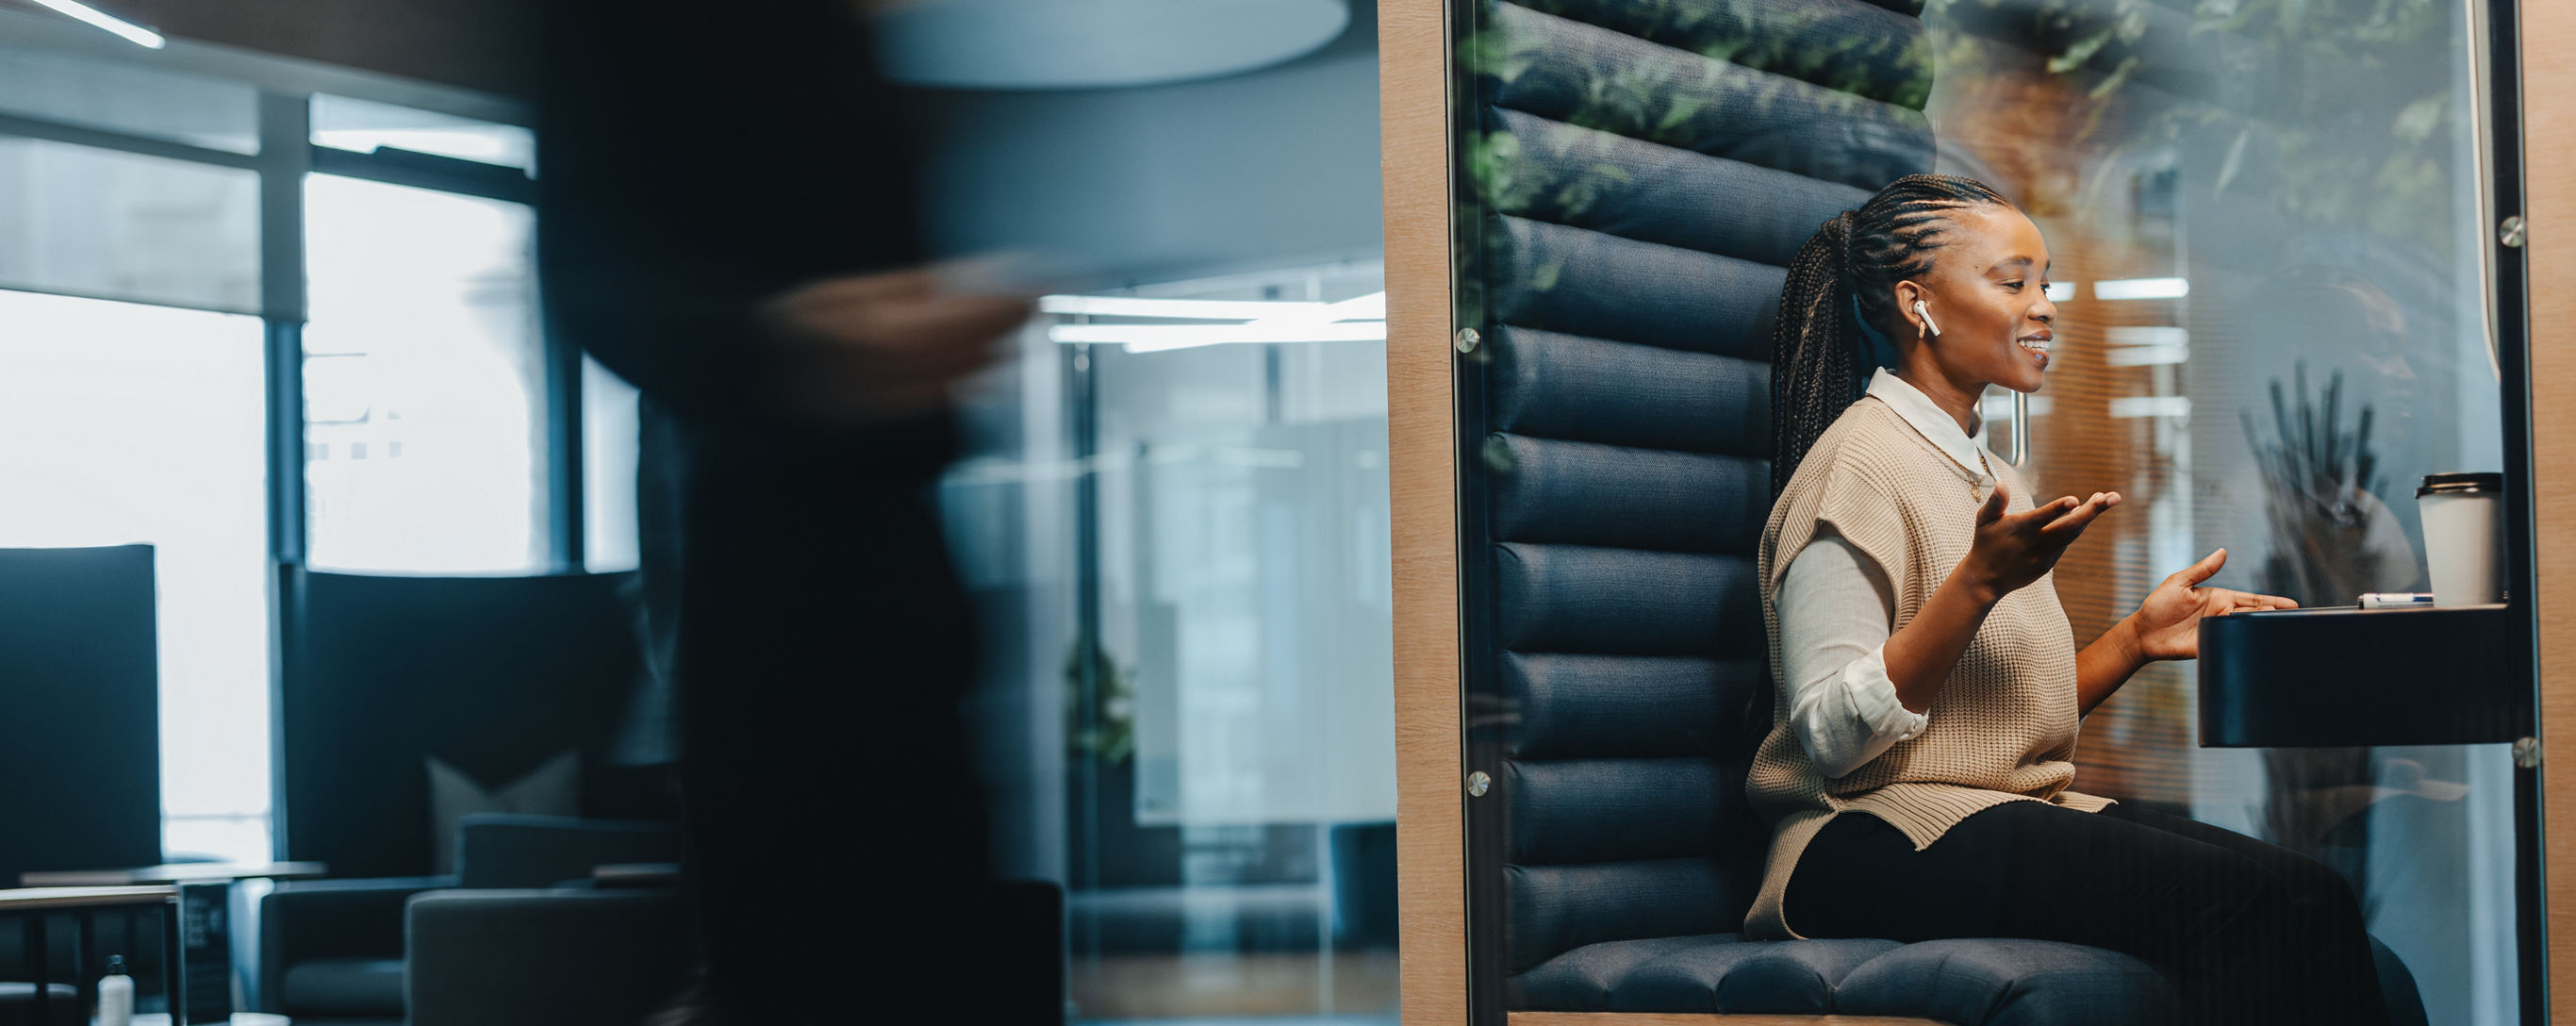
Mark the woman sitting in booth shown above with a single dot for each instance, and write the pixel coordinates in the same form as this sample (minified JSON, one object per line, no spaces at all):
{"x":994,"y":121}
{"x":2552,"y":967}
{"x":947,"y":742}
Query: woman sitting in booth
{"x":1927,"y":678}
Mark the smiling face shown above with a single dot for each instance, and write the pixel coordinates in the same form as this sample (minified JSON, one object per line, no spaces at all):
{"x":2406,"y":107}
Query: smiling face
{"x":1988,"y":293}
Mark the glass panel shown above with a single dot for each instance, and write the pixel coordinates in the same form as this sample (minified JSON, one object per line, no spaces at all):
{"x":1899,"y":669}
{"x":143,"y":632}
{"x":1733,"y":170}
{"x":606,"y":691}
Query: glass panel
{"x":362,"y":125}
{"x":423,"y":377}
{"x":2267,"y":224}
{"x":1192,"y":534}
{"x":2269,"y":323}
{"x":609,"y":446}
{"x":92,"y":222}
{"x":122,"y":97}
{"x":122,"y":423}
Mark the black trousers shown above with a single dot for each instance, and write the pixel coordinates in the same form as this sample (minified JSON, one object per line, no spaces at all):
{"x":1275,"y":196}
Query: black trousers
{"x":834,"y":818}
{"x":2248,"y":932}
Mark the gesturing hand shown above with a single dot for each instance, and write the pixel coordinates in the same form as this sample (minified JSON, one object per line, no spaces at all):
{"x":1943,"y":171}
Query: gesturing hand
{"x":875,"y":347}
{"x":2168,"y":623}
{"x":2014,"y":549}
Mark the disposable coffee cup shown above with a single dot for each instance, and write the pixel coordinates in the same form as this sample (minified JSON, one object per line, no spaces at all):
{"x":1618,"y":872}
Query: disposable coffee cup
{"x":2463,"y":536}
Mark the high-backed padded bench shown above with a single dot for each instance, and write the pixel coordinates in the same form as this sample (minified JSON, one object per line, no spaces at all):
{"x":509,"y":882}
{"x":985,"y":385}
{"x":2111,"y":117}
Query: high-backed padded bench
{"x":1631,"y":202}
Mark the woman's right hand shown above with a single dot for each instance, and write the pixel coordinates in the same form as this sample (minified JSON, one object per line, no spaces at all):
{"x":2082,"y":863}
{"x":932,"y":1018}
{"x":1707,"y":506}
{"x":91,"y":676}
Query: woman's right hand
{"x":2014,"y":549}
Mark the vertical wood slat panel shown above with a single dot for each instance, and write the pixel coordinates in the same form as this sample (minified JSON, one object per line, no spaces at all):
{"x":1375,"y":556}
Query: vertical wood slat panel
{"x":1413,"y":111}
{"x":2549,"y":169}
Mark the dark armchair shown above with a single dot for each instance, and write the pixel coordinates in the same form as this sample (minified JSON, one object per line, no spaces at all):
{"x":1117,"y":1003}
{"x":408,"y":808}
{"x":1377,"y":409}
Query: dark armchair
{"x":338,"y":949}
{"x":80,"y":683}
{"x":500,"y":679}
{"x":550,"y":957}
{"x":79,"y":743}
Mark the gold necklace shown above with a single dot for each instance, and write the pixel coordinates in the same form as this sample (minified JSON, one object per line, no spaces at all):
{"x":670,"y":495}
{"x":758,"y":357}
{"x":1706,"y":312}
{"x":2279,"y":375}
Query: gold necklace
{"x":1973,"y":476}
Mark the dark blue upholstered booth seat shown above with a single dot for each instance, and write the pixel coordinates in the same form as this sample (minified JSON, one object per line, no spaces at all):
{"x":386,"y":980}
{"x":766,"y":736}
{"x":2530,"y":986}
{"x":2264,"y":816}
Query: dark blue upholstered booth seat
{"x":1641,"y":171}
{"x":1998,"y":982}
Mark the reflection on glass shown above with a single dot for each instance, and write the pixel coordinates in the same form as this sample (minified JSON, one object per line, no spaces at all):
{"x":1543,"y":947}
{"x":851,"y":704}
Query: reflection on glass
{"x":1190,"y":529}
{"x":132,"y":98}
{"x":2269,"y":222}
{"x":146,"y":424}
{"x":424,"y":404}
{"x":92,"y":222}
{"x":364,"y":125}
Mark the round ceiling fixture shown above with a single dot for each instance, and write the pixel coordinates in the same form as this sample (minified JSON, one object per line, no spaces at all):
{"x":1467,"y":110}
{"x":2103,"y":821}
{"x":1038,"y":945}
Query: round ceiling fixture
{"x":1090,"y":44}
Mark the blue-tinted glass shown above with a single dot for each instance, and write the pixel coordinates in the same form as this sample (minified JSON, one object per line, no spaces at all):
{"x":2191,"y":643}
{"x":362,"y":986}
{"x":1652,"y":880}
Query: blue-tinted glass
{"x":1209,"y":765}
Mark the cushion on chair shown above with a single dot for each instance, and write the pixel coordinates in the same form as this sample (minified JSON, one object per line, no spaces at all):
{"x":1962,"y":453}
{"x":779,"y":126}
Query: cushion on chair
{"x":2004,"y":982}
{"x":560,"y":957}
{"x":551,"y":789}
{"x":343,"y":986}
{"x":1719,"y":972}
{"x":1969,"y":982}
{"x":508,"y":850}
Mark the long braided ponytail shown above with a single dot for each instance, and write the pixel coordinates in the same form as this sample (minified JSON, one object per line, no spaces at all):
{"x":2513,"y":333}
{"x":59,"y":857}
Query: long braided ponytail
{"x":1845,"y":274}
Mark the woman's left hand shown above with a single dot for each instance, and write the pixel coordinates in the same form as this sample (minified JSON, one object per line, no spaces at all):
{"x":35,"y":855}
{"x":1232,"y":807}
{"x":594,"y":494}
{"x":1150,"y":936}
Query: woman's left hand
{"x":2168,"y":623}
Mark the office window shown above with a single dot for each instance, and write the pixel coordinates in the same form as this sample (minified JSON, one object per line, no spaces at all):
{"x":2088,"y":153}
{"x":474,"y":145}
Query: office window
{"x":424,"y":384}
{"x":609,"y":448}
{"x":134,"y":373}
{"x":145,"y":101}
{"x":123,"y":423}
{"x":363,"y":126}
{"x":92,"y":222}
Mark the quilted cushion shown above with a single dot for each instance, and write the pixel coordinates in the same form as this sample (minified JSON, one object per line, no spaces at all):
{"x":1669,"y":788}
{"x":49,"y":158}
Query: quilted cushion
{"x":1967,"y":982}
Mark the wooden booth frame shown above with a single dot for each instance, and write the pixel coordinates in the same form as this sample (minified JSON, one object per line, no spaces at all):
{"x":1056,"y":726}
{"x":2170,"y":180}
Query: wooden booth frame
{"x":1415,"y":84}
{"x":2548,"y":74}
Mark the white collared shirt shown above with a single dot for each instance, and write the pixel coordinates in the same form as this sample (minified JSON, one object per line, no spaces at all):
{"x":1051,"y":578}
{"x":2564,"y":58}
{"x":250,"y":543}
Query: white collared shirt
{"x":1837,"y":609}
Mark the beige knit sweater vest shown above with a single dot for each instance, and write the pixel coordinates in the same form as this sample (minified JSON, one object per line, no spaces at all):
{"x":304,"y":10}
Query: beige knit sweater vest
{"x":2004,"y":724}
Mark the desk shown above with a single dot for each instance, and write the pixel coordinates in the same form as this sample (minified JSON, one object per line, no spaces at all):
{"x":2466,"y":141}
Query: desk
{"x":204,"y":893}
{"x":174,"y":873}
{"x":2343,"y":677}
{"x":29,"y":899}
{"x":33,"y":905}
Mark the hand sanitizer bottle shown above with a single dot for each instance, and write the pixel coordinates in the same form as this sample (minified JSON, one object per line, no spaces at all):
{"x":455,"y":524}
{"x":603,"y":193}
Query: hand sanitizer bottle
{"x":116,"y":994}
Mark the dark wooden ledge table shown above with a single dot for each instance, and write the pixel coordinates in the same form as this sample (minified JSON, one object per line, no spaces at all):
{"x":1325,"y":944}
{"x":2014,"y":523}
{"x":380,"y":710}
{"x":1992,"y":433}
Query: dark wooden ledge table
{"x":32,"y":906}
{"x":199,"y":938}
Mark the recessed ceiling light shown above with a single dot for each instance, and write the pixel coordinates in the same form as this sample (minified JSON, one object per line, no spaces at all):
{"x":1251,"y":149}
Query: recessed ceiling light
{"x":129,"y":31}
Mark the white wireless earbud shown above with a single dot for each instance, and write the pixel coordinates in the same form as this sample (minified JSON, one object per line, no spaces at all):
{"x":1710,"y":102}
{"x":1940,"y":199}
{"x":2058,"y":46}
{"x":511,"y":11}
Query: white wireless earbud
{"x":1919,"y":311}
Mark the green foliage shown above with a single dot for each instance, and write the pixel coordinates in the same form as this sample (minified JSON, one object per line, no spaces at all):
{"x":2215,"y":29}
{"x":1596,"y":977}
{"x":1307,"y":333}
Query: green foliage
{"x":2301,"y":86}
{"x":1104,"y":727}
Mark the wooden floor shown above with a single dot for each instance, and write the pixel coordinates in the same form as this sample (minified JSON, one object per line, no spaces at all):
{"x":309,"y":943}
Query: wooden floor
{"x":1224,"y":984}
{"x":1698,"y":1019}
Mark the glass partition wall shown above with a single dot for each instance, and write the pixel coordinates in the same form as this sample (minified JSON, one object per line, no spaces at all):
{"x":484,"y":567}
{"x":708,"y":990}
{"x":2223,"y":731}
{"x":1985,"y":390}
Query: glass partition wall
{"x":1173,"y":514}
{"x":2281,"y":302}
{"x":2271,"y":227}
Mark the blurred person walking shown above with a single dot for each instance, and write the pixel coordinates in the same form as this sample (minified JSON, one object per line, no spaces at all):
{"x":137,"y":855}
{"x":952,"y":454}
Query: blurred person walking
{"x":727,"y":215}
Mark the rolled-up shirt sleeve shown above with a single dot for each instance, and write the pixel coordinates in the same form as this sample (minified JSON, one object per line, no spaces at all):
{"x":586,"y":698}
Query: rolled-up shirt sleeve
{"x":1835,"y":607}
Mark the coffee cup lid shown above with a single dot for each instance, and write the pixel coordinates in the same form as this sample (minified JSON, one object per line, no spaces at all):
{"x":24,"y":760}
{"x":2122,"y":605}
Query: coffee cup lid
{"x":2460,"y":482}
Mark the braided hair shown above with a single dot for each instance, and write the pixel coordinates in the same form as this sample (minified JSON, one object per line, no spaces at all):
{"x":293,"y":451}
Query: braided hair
{"x":1817,"y":364}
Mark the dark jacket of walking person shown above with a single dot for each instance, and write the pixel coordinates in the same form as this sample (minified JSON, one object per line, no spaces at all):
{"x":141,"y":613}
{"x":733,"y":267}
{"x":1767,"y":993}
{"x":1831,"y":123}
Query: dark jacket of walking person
{"x":726,"y":209}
